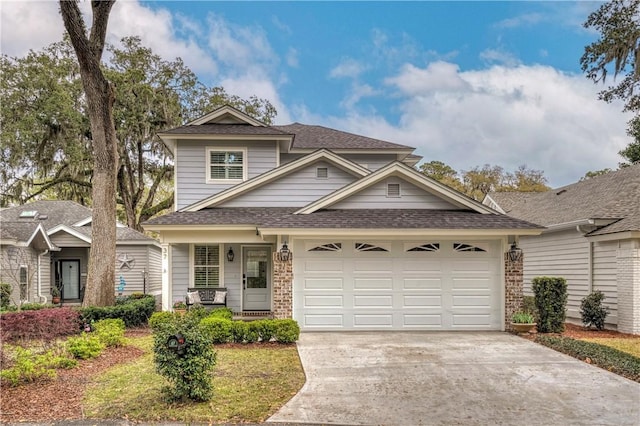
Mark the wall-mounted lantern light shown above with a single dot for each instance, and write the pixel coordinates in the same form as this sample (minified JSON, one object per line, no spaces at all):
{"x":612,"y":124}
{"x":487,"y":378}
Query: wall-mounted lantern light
{"x":284,"y":253}
{"x":515,"y":253}
{"x":230,"y":254}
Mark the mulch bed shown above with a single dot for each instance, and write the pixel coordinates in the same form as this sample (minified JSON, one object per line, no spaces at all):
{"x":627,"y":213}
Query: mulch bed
{"x":61,"y":399}
{"x":579,"y":332}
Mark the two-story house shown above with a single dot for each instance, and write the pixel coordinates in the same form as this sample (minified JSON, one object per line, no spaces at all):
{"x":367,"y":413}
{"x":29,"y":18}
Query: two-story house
{"x":333,"y":229}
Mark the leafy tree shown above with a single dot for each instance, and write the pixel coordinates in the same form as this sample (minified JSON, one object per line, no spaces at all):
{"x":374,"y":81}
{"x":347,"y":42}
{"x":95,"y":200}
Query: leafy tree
{"x":524,"y":180}
{"x":44,"y":109}
{"x":618,"y":51}
{"x":99,"y":99}
{"x":591,"y":174}
{"x":443,"y":173}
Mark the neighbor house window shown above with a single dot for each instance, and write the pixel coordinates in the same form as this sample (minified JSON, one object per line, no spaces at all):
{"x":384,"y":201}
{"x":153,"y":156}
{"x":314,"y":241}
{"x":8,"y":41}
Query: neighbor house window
{"x":206,"y":265}
{"x":226,"y":164}
{"x":23,"y":275}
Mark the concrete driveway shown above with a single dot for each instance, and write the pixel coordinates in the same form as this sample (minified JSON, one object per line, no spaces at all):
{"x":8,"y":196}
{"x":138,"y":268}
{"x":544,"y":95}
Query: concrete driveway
{"x":480,"y":378}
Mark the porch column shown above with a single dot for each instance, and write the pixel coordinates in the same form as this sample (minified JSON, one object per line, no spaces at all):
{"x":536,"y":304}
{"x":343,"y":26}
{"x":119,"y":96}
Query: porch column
{"x":282,"y":286}
{"x":513,"y":279}
{"x":628,"y":262}
{"x":166,"y":277}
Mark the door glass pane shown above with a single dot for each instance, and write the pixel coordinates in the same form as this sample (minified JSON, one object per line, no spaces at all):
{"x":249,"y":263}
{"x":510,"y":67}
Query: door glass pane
{"x":256,"y":268}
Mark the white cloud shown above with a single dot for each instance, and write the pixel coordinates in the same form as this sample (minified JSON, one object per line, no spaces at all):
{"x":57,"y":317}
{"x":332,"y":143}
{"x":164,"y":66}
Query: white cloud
{"x":347,"y":68}
{"x":527,"y":19}
{"x":28,"y":25}
{"x":499,"y":56}
{"x":530,"y":115}
{"x":292,"y":58}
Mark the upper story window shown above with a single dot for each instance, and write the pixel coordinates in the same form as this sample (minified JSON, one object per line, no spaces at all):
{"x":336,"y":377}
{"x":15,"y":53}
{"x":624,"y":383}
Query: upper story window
{"x":226,"y":164}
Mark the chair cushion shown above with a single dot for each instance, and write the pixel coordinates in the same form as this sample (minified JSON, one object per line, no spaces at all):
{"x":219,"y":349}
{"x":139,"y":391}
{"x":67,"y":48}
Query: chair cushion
{"x":220,"y":297}
{"x":193,"y":297}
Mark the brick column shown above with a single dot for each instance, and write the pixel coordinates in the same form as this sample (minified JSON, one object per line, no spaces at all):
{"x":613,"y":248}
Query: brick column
{"x":513,"y":288}
{"x":282,"y":287}
{"x":628,"y":262}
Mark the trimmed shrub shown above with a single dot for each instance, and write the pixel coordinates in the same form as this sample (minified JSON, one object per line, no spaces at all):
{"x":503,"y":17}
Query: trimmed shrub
{"x":551,"y":300}
{"x":239,"y":331}
{"x":189,"y":373}
{"x":610,"y":359}
{"x":85,"y":346}
{"x":286,"y":330}
{"x":110,"y":331}
{"x":198,"y":312}
{"x":253,"y":332}
{"x":159,"y":319}
{"x":225,"y":313}
{"x":35,"y":306}
{"x":266,"y":329}
{"x":218,"y":330}
{"x":5,"y":295}
{"x":45,"y":324}
{"x":592,"y":311}
{"x":134,"y":312}
{"x":28,"y":366}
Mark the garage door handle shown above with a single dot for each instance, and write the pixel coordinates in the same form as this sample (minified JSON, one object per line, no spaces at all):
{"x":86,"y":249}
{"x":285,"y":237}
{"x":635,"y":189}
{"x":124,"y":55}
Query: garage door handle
{"x":244,"y":281}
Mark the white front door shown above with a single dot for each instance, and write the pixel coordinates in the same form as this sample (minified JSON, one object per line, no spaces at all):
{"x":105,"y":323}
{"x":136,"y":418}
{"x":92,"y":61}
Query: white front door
{"x":70,"y":275}
{"x":256,"y":278}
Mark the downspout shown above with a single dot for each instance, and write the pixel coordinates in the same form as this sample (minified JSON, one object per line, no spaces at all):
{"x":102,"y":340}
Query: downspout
{"x":40,"y":296}
{"x":585,"y":230}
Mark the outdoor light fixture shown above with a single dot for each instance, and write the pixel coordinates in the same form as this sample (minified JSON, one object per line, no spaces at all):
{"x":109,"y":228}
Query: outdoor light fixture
{"x":515,"y":253}
{"x":230,"y":254}
{"x":284,"y":253}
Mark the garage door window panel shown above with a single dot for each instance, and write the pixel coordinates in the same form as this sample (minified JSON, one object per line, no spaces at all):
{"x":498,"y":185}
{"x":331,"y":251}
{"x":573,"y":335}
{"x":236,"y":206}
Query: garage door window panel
{"x":425,"y":247}
{"x":369,"y":247}
{"x":327,"y":247}
{"x":468,"y":247}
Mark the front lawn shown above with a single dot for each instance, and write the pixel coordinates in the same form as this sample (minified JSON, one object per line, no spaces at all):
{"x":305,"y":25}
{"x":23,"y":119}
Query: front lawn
{"x":630,"y":346}
{"x":250,"y":382}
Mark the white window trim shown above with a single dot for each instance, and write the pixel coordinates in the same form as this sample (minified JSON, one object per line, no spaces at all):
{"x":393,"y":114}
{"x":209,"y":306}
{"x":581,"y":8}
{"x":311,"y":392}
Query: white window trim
{"x":245,"y":162}
{"x":192,"y":258}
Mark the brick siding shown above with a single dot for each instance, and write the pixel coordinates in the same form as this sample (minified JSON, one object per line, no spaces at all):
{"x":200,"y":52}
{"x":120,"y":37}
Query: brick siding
{"x":513,"y":288}
{"x":282,"y":287}
{"x":628,"y":262}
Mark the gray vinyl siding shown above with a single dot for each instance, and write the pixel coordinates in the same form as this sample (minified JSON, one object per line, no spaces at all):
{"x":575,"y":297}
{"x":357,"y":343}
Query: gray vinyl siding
{"x":371,"y":161}
{"x":179,"y":271}
{"x":605,"y":275}
{"x":296,"y":189}
{"x":559,"y":254}
{"x":154,"y":271}
{"x":375,"y":197}
{"x":191,"y":174}
{"x":11,"y":260}
{"x":133,"y":277}
{"x":64,"y":239}
{"x":233,"y":277}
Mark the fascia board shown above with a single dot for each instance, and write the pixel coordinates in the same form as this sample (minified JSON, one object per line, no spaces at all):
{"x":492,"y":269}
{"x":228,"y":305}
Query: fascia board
{"x":160,"y":228}
{"x":399,"y":232}
{"x":271,"y":175}
{"x":490,"y":201}
{"x":401,"y":170}
{"x":233,"y":137}
{"x":83,"y":222}
{"x":402,"y":151}
{"x":580,"y":222}
{"x":625,"y":235}
{"x":40,"y":229}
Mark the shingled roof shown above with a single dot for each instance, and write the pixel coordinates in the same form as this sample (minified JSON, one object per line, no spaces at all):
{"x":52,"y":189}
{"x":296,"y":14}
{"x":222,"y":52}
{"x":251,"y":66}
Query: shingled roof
{"x":226,"y":129}
{"x":270,"y":217}
{"x":317,"y":137}
{"x":615,"y":196}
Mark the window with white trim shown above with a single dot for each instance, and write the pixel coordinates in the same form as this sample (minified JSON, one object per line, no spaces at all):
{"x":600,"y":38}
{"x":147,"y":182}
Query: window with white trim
{"x":23,"y":275}
{"x":206,"y":265}
{"x":226,"y":165}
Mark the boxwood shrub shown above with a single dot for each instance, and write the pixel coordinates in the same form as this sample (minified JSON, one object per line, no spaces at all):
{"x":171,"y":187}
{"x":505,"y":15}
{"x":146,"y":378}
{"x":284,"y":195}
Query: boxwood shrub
{"x":605,"y":357}
{"x":218,"y":330}
{"x":133,"y":311}
{"x":551,"y":301}
{"x":286,"y":330}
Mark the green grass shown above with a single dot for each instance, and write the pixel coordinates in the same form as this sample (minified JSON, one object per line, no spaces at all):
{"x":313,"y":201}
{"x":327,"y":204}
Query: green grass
{"x":250,"y":384}
{"x":630,"y":346}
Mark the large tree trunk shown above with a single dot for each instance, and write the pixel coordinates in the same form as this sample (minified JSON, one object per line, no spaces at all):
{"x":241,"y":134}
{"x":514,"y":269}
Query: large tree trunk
{"x":100,"y":290}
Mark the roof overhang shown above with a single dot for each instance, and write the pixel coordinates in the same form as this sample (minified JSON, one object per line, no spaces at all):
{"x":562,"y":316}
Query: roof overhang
{"x":71,"y":231}
{"x":626,"y":235}
{"x":171,"y":139}
{"x":400,"y":232}
{"x":581,"y":225}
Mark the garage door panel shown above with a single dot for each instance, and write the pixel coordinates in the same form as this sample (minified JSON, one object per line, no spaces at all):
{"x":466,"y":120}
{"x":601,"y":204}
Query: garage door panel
{"x":323,"y":321}
{"x":471,"y":283}
{"x":371,"y":301}
{"x":471,"y":320}
{"x":335,"y":301}
{"x":378,"y":265}
{"x":323,"y":283}
{"x":422,"y":283}
{"x":474,"y":301}
{"x":317,"y":265}
{"x":373,"y":283}
{"x":471,"y":266}
{"x":422,"y":301}
{"x":373,"y":320}
{"x":422,"y":320}
{"x":422,"y":266}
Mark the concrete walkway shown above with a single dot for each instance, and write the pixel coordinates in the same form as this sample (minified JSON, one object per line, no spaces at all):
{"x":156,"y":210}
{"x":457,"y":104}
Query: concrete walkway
{"x":428,"y":378}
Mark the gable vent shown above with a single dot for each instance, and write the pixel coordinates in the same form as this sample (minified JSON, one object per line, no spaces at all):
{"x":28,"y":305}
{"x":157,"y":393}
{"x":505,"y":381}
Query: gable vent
{"x":393,"y":190}
{"x":322,"y":173}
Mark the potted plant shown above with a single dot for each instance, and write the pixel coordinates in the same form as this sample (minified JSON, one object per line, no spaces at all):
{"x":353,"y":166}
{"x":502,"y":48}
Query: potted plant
{"x":55,"y":295}
{"x":179,"y":306}
{"x":522,"y":322}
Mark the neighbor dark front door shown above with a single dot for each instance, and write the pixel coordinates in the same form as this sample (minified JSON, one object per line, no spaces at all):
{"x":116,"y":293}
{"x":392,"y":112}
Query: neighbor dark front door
{"x":70,"y":277}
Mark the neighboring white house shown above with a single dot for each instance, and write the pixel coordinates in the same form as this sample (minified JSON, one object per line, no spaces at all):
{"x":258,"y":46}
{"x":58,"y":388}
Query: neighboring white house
{"x":47,"y":243}
{"x":375,"y":245}
{"x":592,"y":239}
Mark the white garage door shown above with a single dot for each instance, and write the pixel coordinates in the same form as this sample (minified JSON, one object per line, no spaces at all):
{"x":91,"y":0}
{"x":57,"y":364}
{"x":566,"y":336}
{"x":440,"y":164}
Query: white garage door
{"x":377,"y":285}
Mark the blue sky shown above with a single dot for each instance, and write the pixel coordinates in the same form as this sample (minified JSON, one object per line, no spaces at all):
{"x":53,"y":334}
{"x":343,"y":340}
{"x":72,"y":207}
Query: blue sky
{"x":466,"y":83}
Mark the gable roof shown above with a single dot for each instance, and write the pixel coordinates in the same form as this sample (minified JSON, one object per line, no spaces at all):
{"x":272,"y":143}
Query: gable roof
{"x":25,"y":234}
{"x":317,"y":137}
{"x":407,"y":173}
{"x":59,"y":215}
{"x":614,"y":196}
{"x":278,"y":172}
{"x":226,"y":114}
